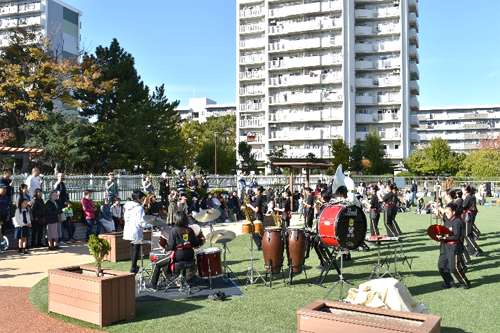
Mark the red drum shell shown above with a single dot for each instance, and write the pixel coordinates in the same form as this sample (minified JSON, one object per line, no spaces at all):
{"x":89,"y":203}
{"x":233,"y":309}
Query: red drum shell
{"x":342,"y":226}
{"x":272,"y":247}
{"x":209,"y":262}
{"x":163,"y":241}
{"x":199,"y":234}
{"x":296,"y":248}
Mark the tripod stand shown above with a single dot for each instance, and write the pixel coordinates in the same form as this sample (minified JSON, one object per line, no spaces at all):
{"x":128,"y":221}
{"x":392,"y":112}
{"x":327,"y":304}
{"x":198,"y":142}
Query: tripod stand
{"x":143,"y":272}
{"x":225,"y":267}
{"x":378,"y":265}
{"x":251,"y":269}
{"x":341,"y":279}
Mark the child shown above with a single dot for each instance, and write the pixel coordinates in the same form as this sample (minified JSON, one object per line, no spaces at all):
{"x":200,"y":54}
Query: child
{"x":270,"y":207}
{"x":38,"y":222}
{"x":116,"y":212}
{"x":301,"y":207}
{"x":106,"y":217}
{"x":68,"y":212}
{"x":22,"y":223}
{"x":420,"y":207}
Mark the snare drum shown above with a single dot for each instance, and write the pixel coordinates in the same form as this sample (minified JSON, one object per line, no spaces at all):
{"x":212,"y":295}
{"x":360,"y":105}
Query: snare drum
{"x":247,"y":228}
{"x":272,"y":248}
{"x":157,"y":255}
{"x":163,"y":241}
{"x":209,"y":262}
{"x":199,"y":234}
{"x":257,"y":225}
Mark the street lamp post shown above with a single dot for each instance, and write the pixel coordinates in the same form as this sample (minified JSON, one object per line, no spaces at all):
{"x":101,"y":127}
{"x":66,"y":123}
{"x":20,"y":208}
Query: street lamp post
{"x":216,"y":135}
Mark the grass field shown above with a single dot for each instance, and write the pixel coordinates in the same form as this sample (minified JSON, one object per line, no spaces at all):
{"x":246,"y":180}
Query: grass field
{"x":274,"y":310}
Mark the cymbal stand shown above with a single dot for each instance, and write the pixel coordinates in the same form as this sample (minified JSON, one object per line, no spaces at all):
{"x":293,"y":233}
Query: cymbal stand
{"x":378,"y":265}
{"x":225,"y":267}
{"x":251,"y":269}
{"x":341,"y":279}
{"x":142,"y":274}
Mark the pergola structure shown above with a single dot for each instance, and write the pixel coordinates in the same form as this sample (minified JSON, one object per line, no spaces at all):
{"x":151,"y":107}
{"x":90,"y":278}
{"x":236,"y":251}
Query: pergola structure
{"x":300,"y":163}
{"x":13,"y":152}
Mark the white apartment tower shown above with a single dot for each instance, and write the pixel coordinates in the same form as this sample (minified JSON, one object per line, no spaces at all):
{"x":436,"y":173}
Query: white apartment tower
{"x":309,"y":71}
{"x":55,"y":19}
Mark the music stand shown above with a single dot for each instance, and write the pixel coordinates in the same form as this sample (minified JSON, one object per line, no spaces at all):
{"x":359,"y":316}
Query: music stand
{"x":341,"y":279}
{"x":251,"y":269}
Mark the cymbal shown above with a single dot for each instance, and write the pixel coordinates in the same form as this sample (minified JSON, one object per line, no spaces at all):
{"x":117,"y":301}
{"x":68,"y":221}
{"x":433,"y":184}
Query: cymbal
{"x":437,"y":229}
{"x":207,"y":215}
{"x":142,"y":242}
{"x":155,"y":221}
{"x":221,"y":236}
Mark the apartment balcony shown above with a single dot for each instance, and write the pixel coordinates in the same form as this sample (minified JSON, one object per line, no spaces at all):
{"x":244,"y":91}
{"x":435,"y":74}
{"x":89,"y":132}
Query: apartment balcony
{"x":298,"y":153}
{"x":394,"y":153}
{"x":286,"y":134}
{"x":365,"y":118}
{"x":414,"y":103}
{"x":387,"y":12}
{"x":471,"y":146}
{"x":252,"y":122}
{"x":363,"y":64}
{"x":295,"y":27}
{"x":252,"y":59}
{"x":364,"y":100}
{"x":295,"y":62}
{"x":476,"y":116}
{"x":253,"y":12}
{"x":414,"y":87}
{"x":252,"y":107}
{"x":332,"y":24}
{"x":363,"y":30}
{"x":331,"y":5}
{"x":331,"y":59}
{"x":361,"y":135}
{"x":389,"y":46}
{"x":413,"y":36}
{"x":388,"y":117}
{"x":414,"y":72}
{"x":251,"y":28}
{"x":296,"y":98}
{"x":389,"y":30}
{"x":476,"y":126}
{"x":421,"y":117}
{"x":258,"y":154}
{"x":423,"y":137}
{"x":413,"y":5}
{"x":363,"y":13}
{"x":27,"y":7}
{"x":252,"y":75}
{"x":295,"y":80}
{"x":390,"y":135}
{"x":414,"y":121}
{"x":476,"y":136}
{"x":252,"y":90}
{"x":392,"y":98}
{"x":413,"y":51}
{"x":252,"y":43}
{"x":412,"y":19}
{"x":364,"y":82}
{"x":363,"y":47}
{"x":389,"y":81}
{"x":252,"y":138}
{"x":295,"y":10}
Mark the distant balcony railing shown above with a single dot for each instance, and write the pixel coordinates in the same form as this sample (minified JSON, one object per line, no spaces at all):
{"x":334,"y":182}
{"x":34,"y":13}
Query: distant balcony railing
{"x":248,"y":75}
{"x":255,"y":122}
{"x":251,"y":59}
{"x":251,"y":12}
{"x":251,"y":107}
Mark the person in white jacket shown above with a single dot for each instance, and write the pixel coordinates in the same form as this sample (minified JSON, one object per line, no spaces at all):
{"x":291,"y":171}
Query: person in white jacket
{"x":134,"y":224}
{"x":22,"y":223}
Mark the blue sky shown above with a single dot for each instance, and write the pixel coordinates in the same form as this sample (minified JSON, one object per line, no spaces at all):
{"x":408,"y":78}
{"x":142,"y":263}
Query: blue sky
{"x":189,"y":45}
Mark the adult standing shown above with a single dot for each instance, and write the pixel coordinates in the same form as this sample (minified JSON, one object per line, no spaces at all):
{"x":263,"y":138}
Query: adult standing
{"x":426,"y":187}
{"x":414,"y":189}
{"x":204,"y":182}
{"x":194,"y":184}
{"x":242,"y":184}
{"x":285,"y":209}
{"x":164,"y":190}
{"x":374,"y":212}
{"x":89,"y":212}
{"x":38,"y":222}
{"x":309,"y":207}
{"x":254,"y":185}
{"x":181,"y":184}
{"x":111,"y":186}
{"x":469,"y":217}
{"x":258,"y":214}
{"x":390,"y":199}
{"x":52,"y":211}
{"x":61,"y":190}
{"x":437,"y":190}
{"x":172,"y":206}
{"x":134,"y":225}
{"x":34,"y":181}
{"x":147,"y":185}
{"x":9,"y":183}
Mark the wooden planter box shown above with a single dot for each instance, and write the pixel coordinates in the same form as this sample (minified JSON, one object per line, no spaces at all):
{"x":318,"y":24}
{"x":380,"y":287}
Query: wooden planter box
{"x":120,"y":248}
{"x":77,"y":292}
{"x":328,"y":316}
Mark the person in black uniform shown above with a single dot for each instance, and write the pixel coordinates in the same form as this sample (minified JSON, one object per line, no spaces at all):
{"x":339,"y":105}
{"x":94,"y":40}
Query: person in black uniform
{"x":285,"y":209}
{"x":450,"y":253}
{"x":181,"y":185}
{"x":181,"y":241}
{"x":457,"y":196}
{"x":469,"y":217}
{"x":164,"y":190}
{"x":319,"y":246}
{"x":374,"y":212}
{"x":193,"y":184}
{"x":390,"y":199}
{"x":258,"y":214}
{"x":309,"y":205}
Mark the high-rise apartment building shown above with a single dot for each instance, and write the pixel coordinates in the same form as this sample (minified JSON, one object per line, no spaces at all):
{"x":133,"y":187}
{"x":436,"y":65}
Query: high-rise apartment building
{"x":55,"y":19}
{"x":200,"y":109}
{"x":310,"y":71}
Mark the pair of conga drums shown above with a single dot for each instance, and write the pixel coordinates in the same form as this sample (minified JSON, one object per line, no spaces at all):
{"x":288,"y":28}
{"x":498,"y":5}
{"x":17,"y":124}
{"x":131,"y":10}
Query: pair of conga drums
{"x":273,"y":245}
{"x":249,"y":227}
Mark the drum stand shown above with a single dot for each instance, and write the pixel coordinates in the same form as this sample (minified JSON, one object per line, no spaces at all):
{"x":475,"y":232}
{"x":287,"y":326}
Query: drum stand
{"x":291,"y":266}
{"x":225,"y":267}
{"x":378,"y":265}
{"x":329,"y":263}
{"x":142,"y":274}
{"x":251,"y":269}
{"x":271,"y":267}
{"x":341,"y":279}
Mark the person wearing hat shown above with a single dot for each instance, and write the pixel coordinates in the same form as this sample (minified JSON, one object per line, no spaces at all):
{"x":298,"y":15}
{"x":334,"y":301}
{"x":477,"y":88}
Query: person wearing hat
{"x":258,"y":214}
{"x":450,"y":253}
{"x":164,"y":190}
{"x":374,"y":212}
{"x":181,"y":184}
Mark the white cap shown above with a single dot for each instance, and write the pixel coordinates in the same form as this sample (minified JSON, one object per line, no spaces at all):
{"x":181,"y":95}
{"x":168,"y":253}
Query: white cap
{"x":164,"y":174}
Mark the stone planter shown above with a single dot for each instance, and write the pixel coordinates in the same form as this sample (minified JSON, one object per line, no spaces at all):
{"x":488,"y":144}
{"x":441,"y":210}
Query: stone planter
{"x":327,"y":316}
{"x":120,"y":248}
{"x":77,"y":292}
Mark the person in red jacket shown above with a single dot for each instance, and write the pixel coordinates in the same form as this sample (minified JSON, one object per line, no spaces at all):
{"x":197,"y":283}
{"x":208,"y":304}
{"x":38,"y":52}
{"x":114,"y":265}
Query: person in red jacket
{"x":89,"y":212}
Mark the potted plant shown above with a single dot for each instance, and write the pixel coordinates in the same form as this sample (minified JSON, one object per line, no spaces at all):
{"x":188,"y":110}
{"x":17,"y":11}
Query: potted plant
{"x":92,"y":294}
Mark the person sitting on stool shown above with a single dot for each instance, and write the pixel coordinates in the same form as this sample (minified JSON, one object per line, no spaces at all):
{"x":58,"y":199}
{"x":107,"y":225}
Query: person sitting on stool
{"x":181,"y":241}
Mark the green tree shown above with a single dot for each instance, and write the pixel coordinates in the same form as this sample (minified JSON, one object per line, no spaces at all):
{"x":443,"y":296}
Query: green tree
{"x":226,"y":158}
{"x":278,"y":152}
{"x":483,"y":163}
{"x":248,"y":161}
{"x":438,"y":156}
{"x":356,"y":157}
{"x":416,"y":163}
{"x":190,"y":144}
{"x":340,"y":152}
{"x":375,"y":153}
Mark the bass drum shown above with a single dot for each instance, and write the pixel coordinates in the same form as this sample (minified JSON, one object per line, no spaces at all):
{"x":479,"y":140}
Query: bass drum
{"x":342,"y":226}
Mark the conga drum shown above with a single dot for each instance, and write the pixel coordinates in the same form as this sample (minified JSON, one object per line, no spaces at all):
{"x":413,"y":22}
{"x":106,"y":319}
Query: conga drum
{"x":247,"y":227}
{"x":296,"y":248}
{"x":257,"y":225}
{"x":272,"y":248}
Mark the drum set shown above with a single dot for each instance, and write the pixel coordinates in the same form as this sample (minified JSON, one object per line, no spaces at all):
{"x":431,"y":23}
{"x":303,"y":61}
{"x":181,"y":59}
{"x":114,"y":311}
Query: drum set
{"x":210,"y":262}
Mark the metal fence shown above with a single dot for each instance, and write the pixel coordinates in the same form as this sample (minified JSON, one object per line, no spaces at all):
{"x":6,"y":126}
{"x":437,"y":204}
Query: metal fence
{"x":76,"y":184}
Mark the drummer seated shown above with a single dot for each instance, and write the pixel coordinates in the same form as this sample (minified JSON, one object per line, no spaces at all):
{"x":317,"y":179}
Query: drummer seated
{"x":181,"y":241}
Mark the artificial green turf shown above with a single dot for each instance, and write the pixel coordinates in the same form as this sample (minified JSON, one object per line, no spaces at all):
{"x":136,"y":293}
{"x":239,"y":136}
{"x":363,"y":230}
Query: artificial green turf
{"x":262,"y":308}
